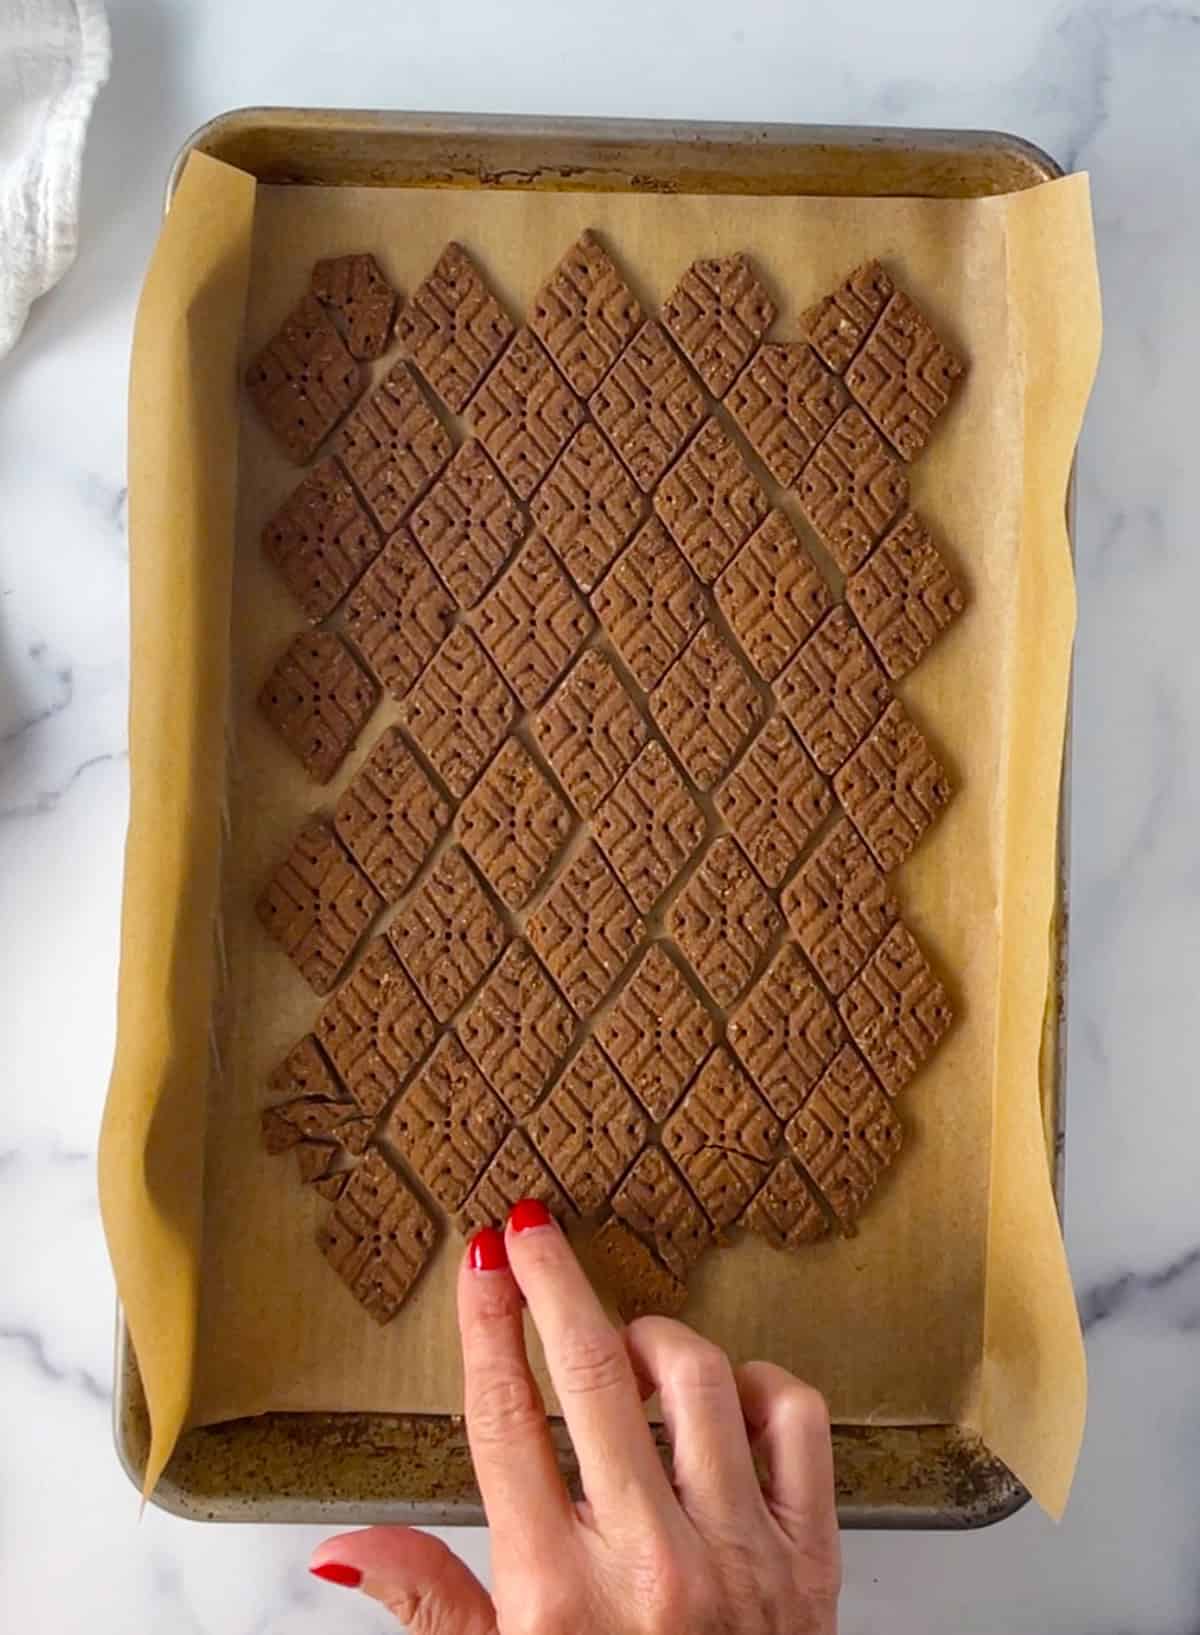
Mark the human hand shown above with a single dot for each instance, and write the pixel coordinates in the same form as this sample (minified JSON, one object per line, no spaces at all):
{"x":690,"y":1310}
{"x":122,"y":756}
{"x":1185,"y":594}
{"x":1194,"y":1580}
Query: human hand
{"x":713,"y":1554}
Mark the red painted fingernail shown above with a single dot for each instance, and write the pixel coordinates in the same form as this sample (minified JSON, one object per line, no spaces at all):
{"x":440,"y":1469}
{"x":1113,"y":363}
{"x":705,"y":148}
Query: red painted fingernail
{"x":336,"y":1572}
{"x":528,"y":1213}
{"x":486,"y":1252}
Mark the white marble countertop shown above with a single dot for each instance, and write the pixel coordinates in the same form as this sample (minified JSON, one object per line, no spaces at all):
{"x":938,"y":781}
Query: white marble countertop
{"x":1103,"y":84}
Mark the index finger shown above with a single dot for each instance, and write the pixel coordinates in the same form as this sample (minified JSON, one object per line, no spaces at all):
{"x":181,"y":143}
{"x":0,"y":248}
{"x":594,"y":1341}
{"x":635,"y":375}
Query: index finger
{"x":523,"y":1491}
{"x":622,"y":1474}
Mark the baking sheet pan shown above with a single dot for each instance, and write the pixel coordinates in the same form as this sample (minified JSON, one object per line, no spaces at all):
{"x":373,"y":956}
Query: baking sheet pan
{"x":351,"y":1467}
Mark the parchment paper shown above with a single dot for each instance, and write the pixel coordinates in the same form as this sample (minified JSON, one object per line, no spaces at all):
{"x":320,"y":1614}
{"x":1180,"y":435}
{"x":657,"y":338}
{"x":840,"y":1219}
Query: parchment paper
{"x":953,"y":1303}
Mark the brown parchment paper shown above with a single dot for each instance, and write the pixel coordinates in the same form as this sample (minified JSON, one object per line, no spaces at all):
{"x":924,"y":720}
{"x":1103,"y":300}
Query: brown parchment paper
{"x":953,"y":1303}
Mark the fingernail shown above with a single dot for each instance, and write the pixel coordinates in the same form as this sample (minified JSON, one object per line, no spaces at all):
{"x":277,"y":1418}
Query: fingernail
{"x":485,"y":1252}
{"x":528,"y":1213}
{"x":337,"y":1572}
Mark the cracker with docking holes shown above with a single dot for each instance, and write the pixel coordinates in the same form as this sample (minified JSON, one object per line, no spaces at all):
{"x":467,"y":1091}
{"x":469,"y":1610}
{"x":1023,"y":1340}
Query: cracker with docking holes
{"x":304,"y":380}
{"x":318,"y":698}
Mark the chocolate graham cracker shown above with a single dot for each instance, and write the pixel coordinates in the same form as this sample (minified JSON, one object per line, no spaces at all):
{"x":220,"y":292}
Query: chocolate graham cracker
{"x":363,"y":301}
{"x":585,"y":314}
{"x":399,"y":615}
{"x":838,"y":324}
{"x":650,"y":604}
{"x":375,"y":1028}
{"x":649,"y":405}
{"x":629,"y":834}
{"x":784,"y":402}
{"x":448,"y":1124}
{"x":517,"y":1028}
{"x":468,"y":524}
{"x":589,"y":1130}
{"x":514,"y":824}
{"x":304,"y":380}
{"x":657,"y":1032}
{"x":718,"y":312}
{"x":390,"y":817}
{"x":722,"y":1136}
{"x":453,"y":328}
{"x":588,"y":506}
{"x":773,"y":595}
{"x":321,"y":539}
{"x":378,"y":1238}
{"x":317,"y":905}
{"x":318,"y":698}
{"x":393,"y":446}
{"x":525,"y":413}
{"x":904,"y":595}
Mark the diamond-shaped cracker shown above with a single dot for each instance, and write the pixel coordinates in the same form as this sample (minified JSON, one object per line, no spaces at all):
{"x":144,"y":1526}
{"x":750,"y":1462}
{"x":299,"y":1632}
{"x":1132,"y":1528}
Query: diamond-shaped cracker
{"x":393,"y":446}
{"x":449,"y":935}
{"x":773,"y":594}
{"x":784,"y":1211}
{"x":852,"y":489}
{"x":649,"y":826}
{"x":533,"y":622}
{"x":318,"y":698}
{"x":834,"y":690}
{"x":845,"y":1136}
{"x":515,"y":1172}
{"x":304,"y":380}
{"x":524,"y":413}
{"x":649,"y":404}
{"x":657,"y":1032}
{"x":376,"y":1028}
{"x":710,"y":501}
{"x":459,"y":711}
{"x":706,"y":707}
{"x":468,"y":524}
{"x":399,"y":614}
{"x":784,"y":401}
{"x":447,"y":1125}
{"x":514,"y":824}
{"x":588,"y":506}
{"x":585,"y":929}
{"x":320,"y":540}
{"x":903,"y":375}
{"x":589,"y":1129}
{"x":517,"y":1028}
{"x":390,"y":816}
{"x":589,"y":730}
{"x":378,"y":1238}
{"x":317,"y":904}
{"x":723,"y":1137}
{"x":837,"y":325}
{"x":839,"y":906}
{"x":631,"y":1275}
{"x":650,"y":602}
{"x":453,"y":328}
{"x":896,"y":1009}
{"x":655,"y":1202}
{"x":718,"y":312}
{"x":904,"y":595}
{"x":893,"y":786}
{"x":786,"y":1031}
{"x":774,"y":800}
{"x":585,"y":313}
{"x":361,"y":297}
{"x":723,"y":920}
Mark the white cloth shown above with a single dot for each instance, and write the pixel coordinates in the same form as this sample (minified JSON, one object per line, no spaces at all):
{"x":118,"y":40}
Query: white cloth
{"x":53,"y":59}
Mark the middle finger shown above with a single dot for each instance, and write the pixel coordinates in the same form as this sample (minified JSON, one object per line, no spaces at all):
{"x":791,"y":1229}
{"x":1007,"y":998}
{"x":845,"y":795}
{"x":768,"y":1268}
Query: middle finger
{"x":621,"y":1471}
